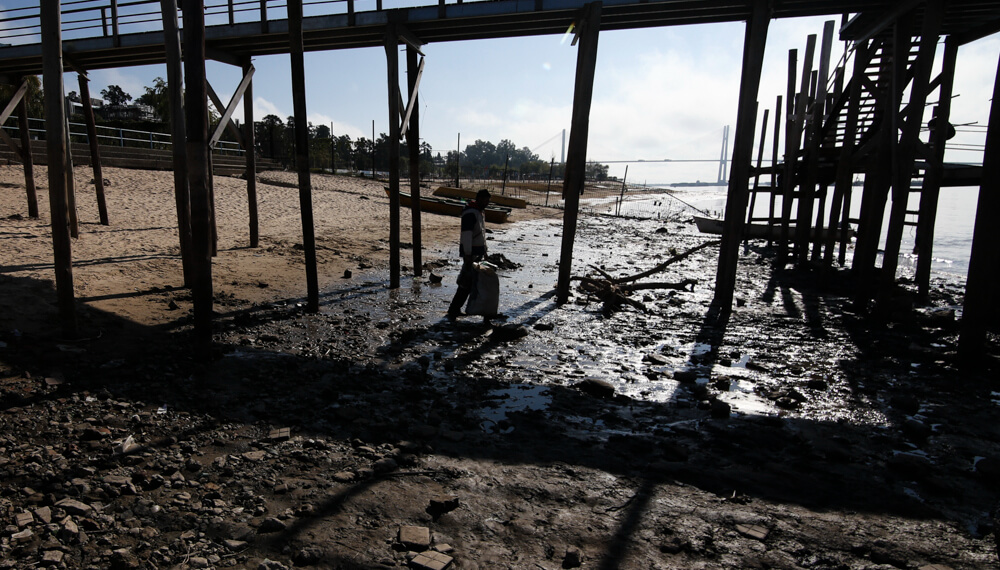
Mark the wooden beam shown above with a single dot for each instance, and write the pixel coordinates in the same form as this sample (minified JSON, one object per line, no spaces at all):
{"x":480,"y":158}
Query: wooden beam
{"x":226,"y":121}
{"x":980,"y":308}
{"x":221,"y":56}
{"x":295,"y":39}
{"x":410,"y":39}
{"x":14,"y":102}
{"x":588,"y":30}
{"x":250,"y":152}
{"x":55,"y":130}
{"x":807,"y":188}
{"x":979,"y":32}
{"x":859,"y":33}
{"x":753,"y":57}
{"x":392,"y":70}
{"x":414,"y":88}
{"x":95,"y":151}
{"x":196,"y":138}
{"x":413,"y":73}
{"x":26,"y":159}
{"x":175,"y":96}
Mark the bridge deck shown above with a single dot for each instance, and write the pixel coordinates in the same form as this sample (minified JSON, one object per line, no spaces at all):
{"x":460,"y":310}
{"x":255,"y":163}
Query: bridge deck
{"x":117,"y":33}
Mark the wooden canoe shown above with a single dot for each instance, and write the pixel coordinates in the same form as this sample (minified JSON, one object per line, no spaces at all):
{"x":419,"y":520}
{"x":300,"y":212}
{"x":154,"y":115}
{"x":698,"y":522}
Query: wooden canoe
{"x":759,"y":231}
{"x":444,"y":206}
{"x":466,"y":194}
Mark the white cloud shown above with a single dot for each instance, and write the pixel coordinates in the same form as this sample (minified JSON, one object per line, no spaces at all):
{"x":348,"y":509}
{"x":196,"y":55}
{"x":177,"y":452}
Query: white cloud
{"x":262,"y":107}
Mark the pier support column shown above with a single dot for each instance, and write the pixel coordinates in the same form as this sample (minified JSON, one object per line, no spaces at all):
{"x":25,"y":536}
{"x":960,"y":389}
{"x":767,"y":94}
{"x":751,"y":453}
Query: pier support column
{"x":739,"y":178}
{"x":392,"y":70}
{"x":589,"y":27}
{"x":55,"y":129}
{"x":196,"y":142}
{"x":932,"y":180}
{"x":178,"y":139}
{"x":95,"y":151}
{"x":250,"y":150}
{"x":302,"y":152}
{"x":413,"y":144}
{"x":29,"y":169}
{"x":980,"y":309}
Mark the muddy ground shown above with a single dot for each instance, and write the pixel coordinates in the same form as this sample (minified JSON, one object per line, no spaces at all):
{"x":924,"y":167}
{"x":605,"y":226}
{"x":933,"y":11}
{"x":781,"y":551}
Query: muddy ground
{"x":374,"y":434}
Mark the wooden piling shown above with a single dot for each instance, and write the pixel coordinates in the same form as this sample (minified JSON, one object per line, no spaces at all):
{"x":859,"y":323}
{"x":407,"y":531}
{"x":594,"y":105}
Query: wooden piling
{"x":909,"y":138}
{"x":589,"y":26}
{"x":250,"y":150}
{"x":931,"y":188}
{"x":178,"y":138}
{"x":26,"y":159}
{"x":302,"y":152}
{"x":392,"y":70}
{"x":55,"y":129}
{"x":413,"y":143}
{"x":74,"y":220}
{"x":95,"y":151}
{"x":810,"y":167}
{"x":980,"y":308}
{"x":739,"y":177}
{"x":196,"y":137}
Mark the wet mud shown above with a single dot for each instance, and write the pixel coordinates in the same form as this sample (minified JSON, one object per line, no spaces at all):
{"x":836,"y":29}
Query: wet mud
{"x":794,"y":432}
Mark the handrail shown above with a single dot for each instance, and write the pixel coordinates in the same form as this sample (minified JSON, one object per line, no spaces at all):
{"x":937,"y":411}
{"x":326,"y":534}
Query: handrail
{"x":111,"y":18}
{"x":120,"y":136}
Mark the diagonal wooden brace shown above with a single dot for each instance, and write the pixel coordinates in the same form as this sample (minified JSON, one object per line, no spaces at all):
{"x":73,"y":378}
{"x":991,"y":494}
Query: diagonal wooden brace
{"x":6,"y":115}
{"x":227,"y":112}
{"x":413,"y":99}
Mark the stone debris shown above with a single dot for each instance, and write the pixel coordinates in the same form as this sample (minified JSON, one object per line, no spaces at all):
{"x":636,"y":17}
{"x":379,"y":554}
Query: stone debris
{"x":431,"y":560}
{"x":756,"y":531}
{"x":414,"y":537}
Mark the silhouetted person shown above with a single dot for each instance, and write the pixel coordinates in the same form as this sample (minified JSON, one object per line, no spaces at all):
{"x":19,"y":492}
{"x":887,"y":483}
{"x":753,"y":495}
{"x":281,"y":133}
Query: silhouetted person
{"x":472,"y":248}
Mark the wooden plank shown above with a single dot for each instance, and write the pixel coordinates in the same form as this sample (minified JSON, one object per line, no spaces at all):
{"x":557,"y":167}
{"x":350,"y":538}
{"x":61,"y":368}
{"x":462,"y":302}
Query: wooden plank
{"x":576,"y":159}
{"x":414,"y":71}
{"x":226,"y":120}
{"x":736,"y":203}
{"x":95,"y":151}
{"x":760,"y":157}
{"x":223,"y":124}
{"x":295,"y":39}
{"x":175,"y":96}
{"x":810,"y":174}
{"x":55,"y":143}
{"x":392,"y":71}
{"x":775,"y":143}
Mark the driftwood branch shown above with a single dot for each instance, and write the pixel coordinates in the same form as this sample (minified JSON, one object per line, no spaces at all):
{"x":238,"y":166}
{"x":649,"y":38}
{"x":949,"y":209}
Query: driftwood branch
{"x":664,"y":265}
{"x":614,"y":292}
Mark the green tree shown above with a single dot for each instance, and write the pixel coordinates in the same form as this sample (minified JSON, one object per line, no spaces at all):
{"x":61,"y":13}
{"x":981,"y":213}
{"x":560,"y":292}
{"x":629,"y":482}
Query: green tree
{"x":157,"y":98}
{"x":115,"y":96}
{"x":33,"y":96}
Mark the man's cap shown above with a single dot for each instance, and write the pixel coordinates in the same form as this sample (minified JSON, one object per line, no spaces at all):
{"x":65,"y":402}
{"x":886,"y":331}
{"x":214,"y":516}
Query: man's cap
{"x":484,"y":193}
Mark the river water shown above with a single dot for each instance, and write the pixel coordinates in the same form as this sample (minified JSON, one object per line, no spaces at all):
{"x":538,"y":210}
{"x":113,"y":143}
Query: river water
{"x":952,"y":230}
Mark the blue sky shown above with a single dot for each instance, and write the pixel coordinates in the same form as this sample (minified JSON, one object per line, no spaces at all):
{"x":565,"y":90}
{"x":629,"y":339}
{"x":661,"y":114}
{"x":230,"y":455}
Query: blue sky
{"x":659,"y":93}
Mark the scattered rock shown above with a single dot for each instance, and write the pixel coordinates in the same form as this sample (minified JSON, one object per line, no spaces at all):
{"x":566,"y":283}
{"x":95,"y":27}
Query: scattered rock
{"x":596,"y":387}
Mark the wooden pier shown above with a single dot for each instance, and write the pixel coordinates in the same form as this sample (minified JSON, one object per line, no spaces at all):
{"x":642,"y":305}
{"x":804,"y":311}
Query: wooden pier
{"x":838,"y":122}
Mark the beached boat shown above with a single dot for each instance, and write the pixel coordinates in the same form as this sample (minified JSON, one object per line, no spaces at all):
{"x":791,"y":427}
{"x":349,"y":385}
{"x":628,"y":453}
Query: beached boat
{"x":759,"y":231}
{"x":467,"y":194}
{"x":437,"y":205}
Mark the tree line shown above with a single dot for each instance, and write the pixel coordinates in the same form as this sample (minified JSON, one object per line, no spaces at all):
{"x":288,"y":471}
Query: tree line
{"x":275,"y":139}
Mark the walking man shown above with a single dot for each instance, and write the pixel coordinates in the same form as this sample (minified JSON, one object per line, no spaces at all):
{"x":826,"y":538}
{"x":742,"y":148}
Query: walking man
{"x":472,"y":248}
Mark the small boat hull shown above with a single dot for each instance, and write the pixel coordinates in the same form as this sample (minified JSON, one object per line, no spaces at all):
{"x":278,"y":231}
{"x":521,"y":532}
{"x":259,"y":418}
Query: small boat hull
{"x":760,"y":231}
{"x":436,"y":205}
{"x":466,"y":194}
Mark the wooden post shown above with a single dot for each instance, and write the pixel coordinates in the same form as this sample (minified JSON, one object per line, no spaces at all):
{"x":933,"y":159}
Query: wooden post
{"x":55,"y":130}
{"x":95,"y":151}
{"x":29,"y":170}
{"x":250,"y":148}
{"x":932,"y":180}
{"x":196,"y":140}
{"x":576,"y":160}
{"x":74,"y":220}
{"x":175,"y":95}
{"x":760,"y":157}
{"x":392,"y":69}
{"x":908,"y":140}
{"x":775,"y":143}
{"x":845,"y":164}
{"x":413,"y":143}
{"x":984,"y":262}
{"x":815,"y":146}
{"x":739,"y":175}
{"x":302,"y":152}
